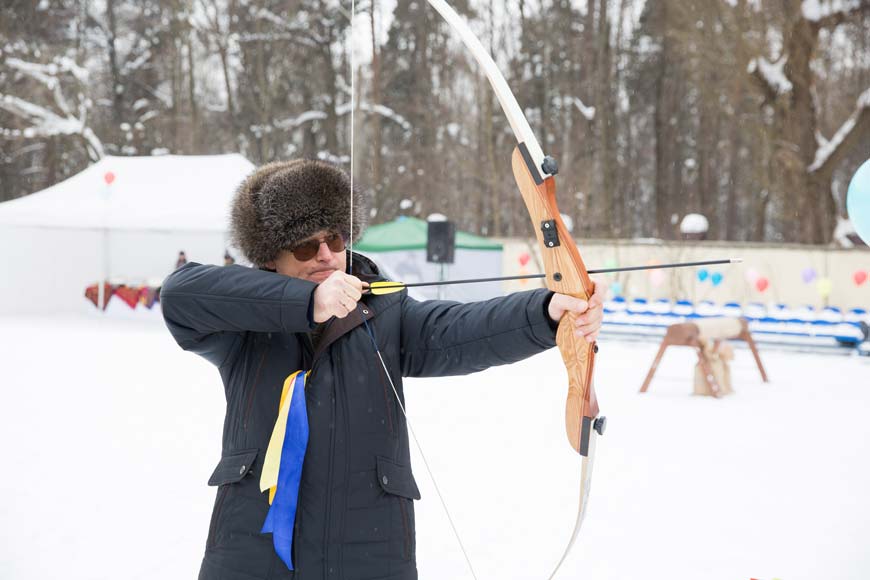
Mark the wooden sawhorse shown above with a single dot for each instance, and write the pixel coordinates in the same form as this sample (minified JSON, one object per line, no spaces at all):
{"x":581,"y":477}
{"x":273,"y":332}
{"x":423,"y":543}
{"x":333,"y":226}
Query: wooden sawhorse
{"x":692,"y":334}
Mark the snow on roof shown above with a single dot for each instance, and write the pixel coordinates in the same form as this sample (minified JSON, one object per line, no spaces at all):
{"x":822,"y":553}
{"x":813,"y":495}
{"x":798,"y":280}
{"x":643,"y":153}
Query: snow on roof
{"x":164,"y":193}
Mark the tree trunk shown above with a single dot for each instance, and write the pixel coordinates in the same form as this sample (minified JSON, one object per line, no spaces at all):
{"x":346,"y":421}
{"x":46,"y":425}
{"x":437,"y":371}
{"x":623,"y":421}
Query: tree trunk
{"x":797,"y":126}
{"x":376,"y":100}
{"x":117,"y":82}
{"x":665,"y":131}
{"x":264,"y":102}
{"x":191,"y":88}
{"x":492,"y":183}
{"x":605,"y":105}
{"x":231,"y":109}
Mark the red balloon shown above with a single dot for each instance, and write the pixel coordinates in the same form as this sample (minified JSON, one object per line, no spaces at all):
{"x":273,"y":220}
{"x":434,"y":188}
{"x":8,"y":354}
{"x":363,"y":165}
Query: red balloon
{"x":524,"y":259}
{"x":860,"y":276}
{"x":762,"y":283}
{"x":109,"y":177}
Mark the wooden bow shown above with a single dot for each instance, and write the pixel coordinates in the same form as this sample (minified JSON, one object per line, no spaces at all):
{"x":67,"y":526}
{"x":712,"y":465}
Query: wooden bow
{"x":565,"y":272}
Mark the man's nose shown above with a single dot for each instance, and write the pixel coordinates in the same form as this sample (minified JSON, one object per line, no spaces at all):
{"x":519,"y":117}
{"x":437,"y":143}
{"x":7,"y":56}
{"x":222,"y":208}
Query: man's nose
{"x":323,"y":252}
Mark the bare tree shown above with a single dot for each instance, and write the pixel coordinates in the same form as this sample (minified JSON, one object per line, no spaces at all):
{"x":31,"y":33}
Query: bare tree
{"x":803,"y":164}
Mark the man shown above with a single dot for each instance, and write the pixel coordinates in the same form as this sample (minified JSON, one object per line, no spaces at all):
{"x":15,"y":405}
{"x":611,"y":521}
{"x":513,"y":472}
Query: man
{"x":301,"y":310}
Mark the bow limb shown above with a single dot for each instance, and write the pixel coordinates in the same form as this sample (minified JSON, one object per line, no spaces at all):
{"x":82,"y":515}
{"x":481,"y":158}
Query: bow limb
{"x":565,"y":271}
{"x":518,"y":122}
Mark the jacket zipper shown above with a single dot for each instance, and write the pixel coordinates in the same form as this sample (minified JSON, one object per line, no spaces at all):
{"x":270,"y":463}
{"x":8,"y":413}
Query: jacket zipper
{"x":329,"y":474}
{"x":307,"y":360}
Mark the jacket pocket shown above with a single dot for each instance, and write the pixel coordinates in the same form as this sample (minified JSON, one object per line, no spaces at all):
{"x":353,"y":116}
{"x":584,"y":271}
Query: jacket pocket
{"x":233,"y":468}
{"x":230,"y":469}
{"x":398,"y":481}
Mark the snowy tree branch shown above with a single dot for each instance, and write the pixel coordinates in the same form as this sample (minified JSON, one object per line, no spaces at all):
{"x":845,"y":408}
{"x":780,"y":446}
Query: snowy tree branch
{"x":299,"y":39}
{"x":381,"y":110}
{"x":295,"y":27}
{"x":46,"y":123}
{"x":344,"y":109}
{"x":831,"y":13}
{"x":95,"y":21}
{"x":770,"y":76}
{"x":585,"y":110}
{"x":296,"y":32}
{"x":857,"y":125}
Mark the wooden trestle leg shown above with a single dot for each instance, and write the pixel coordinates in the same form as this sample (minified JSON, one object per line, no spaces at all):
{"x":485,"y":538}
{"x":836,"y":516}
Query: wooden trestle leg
{"x":652,"y":369}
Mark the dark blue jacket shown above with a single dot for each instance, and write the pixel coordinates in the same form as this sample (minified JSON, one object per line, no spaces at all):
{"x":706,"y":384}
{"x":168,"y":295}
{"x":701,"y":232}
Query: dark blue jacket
{"x":355,"y":517}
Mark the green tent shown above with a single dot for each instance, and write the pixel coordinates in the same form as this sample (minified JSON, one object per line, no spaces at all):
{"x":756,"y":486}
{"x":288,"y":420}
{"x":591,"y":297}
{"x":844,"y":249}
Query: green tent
{"x":399,"y":249}
{"x":409,"y":233}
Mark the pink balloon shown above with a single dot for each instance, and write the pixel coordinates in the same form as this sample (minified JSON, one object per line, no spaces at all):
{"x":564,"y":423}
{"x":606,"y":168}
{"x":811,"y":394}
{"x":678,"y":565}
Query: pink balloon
{"x":524,"y":258}
{"x":109,"y":177}
{"x":860,"y":276}
{"x":762,"y":284}
{"x":751,"y":275}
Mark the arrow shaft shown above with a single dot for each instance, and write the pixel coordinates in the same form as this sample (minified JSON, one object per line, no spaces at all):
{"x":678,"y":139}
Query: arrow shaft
{"x":533,"y":276}
{"x":473,"y":280}
{"x":663,"y":266}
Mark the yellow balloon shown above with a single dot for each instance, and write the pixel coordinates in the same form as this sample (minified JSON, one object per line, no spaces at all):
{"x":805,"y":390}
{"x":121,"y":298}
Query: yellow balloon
{"x":824,"y":286}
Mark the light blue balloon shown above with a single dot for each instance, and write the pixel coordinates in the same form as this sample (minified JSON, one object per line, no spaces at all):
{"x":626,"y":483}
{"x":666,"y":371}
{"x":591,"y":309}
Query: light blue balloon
{"x":858,"y":201}
{"x":616,"y":288}
{"x":702,"y":275}
{"x":716,"y":278}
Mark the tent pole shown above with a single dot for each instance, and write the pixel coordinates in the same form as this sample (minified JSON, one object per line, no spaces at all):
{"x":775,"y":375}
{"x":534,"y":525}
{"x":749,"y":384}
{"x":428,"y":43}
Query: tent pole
{"x":104,"y":271}
{"x":109,"y":177}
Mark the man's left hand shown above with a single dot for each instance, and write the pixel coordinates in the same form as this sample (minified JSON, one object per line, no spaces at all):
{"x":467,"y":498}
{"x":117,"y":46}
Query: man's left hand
{"x":588,"y":314}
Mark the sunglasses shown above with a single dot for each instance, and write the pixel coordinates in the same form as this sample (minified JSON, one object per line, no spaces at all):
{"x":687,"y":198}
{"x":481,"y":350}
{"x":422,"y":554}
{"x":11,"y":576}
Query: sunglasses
{"x":309,"y":248}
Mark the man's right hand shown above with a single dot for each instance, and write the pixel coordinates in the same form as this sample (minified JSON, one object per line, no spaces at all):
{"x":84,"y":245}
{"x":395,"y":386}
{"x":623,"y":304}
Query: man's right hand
{"x":336,"y":296}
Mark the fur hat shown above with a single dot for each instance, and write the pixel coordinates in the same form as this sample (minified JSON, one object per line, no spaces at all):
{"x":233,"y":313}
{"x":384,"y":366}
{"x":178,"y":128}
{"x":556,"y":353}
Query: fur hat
{"x":284,"y":202}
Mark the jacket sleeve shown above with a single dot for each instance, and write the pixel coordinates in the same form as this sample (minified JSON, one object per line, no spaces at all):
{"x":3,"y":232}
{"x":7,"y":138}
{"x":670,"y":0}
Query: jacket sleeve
{"x":207,"y":308}
{"x":448,"y":338}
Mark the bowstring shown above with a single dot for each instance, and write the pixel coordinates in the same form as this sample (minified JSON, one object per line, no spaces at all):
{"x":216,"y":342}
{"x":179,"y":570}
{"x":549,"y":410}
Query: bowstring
{"x":368,"y":327}
{"x":352,"y":123}
{"x":420,"y":450}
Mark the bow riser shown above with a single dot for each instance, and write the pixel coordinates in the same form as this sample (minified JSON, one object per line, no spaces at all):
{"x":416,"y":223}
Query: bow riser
{"x":566,"y":274}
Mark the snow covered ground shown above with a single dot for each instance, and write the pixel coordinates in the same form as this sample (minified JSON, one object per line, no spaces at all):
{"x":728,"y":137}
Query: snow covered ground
{"x":110,"y":432}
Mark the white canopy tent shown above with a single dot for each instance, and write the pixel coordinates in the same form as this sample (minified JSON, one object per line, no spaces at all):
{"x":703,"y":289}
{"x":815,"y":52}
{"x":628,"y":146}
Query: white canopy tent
{"x":129,"y":227}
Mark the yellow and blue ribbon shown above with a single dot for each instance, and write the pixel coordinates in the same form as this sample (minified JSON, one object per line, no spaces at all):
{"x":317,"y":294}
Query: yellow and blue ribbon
{"x":282,"y":467}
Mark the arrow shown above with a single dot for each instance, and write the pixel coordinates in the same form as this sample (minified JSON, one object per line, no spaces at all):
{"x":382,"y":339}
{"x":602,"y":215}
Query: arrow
{"x":390,"y":286}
